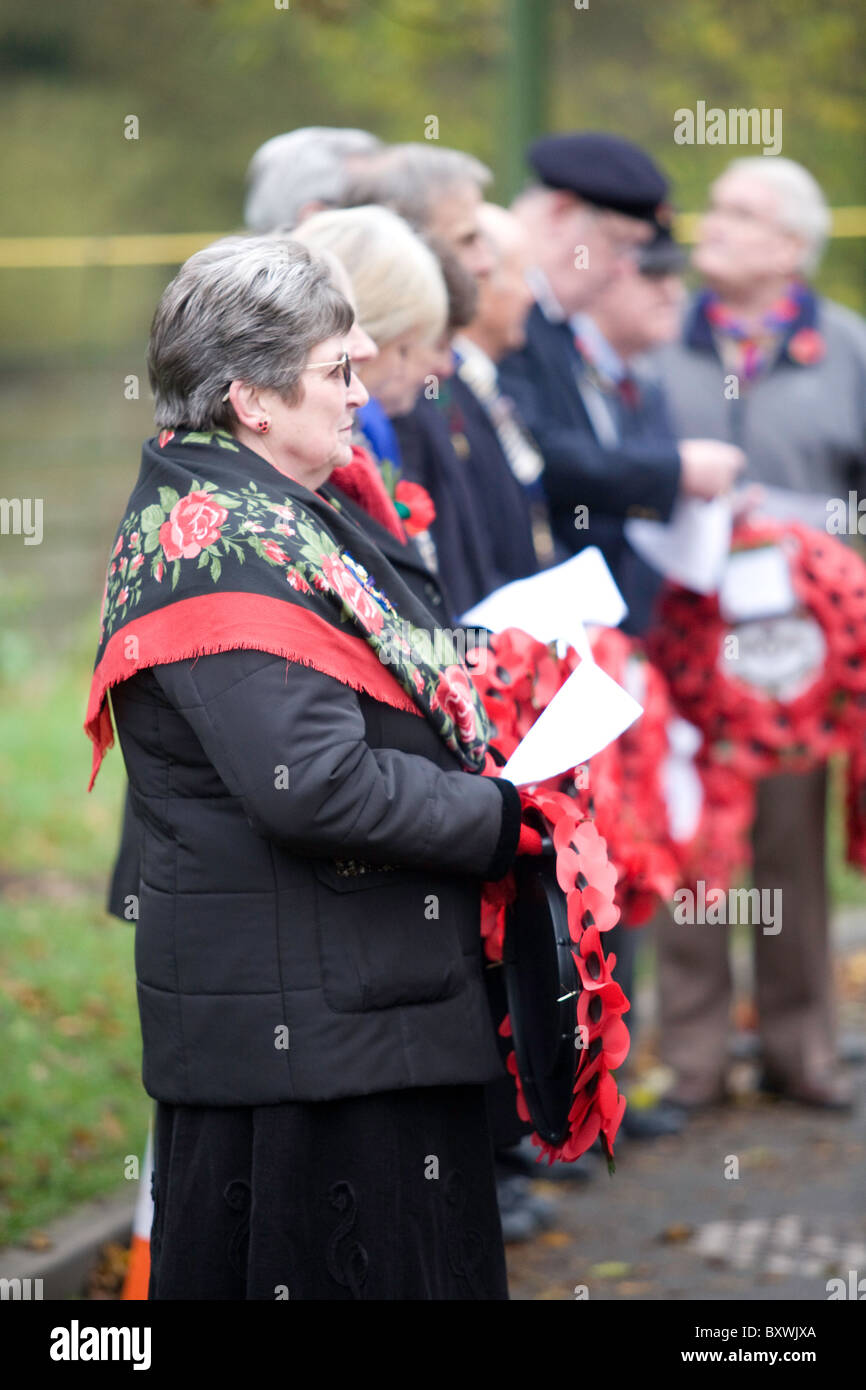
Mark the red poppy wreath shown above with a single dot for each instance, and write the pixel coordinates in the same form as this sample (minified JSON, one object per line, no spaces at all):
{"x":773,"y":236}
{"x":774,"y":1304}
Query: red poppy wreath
{"x":517,"y":677}
{"x":791,"y":722}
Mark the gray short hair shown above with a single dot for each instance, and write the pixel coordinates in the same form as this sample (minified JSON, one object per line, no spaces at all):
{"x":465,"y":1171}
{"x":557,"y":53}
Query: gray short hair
{"x":244,"y":308}
{"x":303,"y":166}
{"x":803,"y":208}
{"x":412,"y":178}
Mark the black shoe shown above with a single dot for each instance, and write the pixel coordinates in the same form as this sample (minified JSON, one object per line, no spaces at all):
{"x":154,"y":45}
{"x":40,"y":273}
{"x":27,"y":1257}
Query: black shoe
{"x":523,"y":1158}
{"x":851,"y":1049}
{"x":824,"y":1095}
{"x":744,"y":1046}
{"x":523,"y":1215}
{"x":655,"y":1122}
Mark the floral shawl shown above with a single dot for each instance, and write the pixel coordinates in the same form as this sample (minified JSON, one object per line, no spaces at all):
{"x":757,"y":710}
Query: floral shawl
{"x":217,"y":550}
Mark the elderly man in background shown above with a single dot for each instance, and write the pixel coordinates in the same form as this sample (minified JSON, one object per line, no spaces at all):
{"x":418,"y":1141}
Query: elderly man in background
{"x":767,"y":364}
{"x":593,"y":207}
{"x":501,"y":458}
{"x":410,"y":297}
{"x":438,"y":191}
{"x":639,"y":310}
{"x":434,"y":457}
{"x":304,"y":171}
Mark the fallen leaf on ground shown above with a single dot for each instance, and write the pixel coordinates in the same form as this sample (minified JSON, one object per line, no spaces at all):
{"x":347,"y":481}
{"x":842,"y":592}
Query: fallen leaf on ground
{"x":38,"y":1240}
{"x":610,"y":1269}
{"x":678,"y":1230}
{"x":555,"y":1238}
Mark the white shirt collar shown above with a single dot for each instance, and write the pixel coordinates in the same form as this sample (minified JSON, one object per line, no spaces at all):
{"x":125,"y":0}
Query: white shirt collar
{"x":482,"y":366}
{"x":544,"y":296}
{"x":603,"y":356}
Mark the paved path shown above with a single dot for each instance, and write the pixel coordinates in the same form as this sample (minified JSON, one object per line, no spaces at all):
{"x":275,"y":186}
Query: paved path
{"x":670,"y":1225}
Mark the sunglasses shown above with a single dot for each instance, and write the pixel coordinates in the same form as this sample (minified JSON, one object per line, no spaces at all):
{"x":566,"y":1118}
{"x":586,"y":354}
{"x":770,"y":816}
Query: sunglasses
{"x":345,"y":362}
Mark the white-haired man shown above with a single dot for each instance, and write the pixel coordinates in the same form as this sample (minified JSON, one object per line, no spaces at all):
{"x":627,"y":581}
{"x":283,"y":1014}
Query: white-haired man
{"x":304,"y":171}
{"x":767,"y":364}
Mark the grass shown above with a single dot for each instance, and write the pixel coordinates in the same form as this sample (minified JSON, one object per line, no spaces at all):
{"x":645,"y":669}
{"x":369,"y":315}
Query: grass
{"x":72,"y":1107}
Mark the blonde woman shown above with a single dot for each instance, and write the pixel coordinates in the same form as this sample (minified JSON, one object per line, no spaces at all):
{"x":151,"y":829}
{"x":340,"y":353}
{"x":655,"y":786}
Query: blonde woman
{"x":399,"y":293}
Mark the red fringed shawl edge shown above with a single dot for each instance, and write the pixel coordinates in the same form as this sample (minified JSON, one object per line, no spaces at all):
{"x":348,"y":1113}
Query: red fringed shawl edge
{"x":233,"y":621}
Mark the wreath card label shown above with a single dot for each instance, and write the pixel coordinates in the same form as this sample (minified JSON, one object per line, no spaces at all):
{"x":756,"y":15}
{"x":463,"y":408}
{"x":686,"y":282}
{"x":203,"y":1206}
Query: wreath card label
{"x":756,"y":583}
{"x":779,"y":657}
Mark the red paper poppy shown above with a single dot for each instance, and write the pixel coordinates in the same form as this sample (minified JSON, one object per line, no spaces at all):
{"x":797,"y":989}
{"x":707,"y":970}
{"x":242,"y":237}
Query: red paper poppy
{"x":807,"y":347}
{"x":420,"y":511}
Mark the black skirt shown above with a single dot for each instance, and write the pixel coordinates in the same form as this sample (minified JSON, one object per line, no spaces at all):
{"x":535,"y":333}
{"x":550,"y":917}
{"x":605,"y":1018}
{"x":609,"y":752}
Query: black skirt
{"x":389,"y":1196}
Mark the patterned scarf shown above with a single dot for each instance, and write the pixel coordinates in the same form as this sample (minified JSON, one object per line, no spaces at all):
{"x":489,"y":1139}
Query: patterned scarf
{"x":753,"y":348}
{"x":217,"y":550}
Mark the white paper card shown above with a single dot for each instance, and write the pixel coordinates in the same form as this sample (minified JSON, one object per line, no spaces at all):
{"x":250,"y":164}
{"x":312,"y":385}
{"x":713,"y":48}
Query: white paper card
{"x":681,"y":782}
{"x":691,"y":548}
{"x":812,"y":508}
{"x":756,"y":584}
{"x":584,"y":716}
{"x":554,"y":604}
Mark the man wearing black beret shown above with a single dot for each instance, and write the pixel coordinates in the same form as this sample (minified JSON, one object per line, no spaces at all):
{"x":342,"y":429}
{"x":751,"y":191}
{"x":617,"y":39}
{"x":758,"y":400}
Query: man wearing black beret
{"x":599,"y":199}
{"x":596,"y":218}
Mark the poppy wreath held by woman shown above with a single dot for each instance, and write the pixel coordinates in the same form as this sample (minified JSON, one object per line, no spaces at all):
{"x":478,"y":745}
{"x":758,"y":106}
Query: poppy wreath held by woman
{"x":517,"y":677}
{"x":614,"y":852}
{"x":623,"y":791}
{"x":620,"y":790}
{"x":588,"y":879}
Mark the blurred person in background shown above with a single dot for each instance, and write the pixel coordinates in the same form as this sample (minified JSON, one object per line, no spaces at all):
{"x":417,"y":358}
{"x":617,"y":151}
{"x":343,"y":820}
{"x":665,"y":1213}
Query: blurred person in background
{"x":399,"y":292}
{"x":294,"y":175}
{"x":798,"y":363}
{"x":435,"y":457}
{"x":502,"y":461}
{"x":402,"y":301}
{"x":638,"y":310}
{"x":438,"y":191}
{"x":594,"y":206}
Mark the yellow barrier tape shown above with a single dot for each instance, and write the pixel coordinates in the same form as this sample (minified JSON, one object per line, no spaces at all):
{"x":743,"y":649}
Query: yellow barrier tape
{"x":55,"y":252}
{"x":37,"y":252}
{"x":847,"y":222}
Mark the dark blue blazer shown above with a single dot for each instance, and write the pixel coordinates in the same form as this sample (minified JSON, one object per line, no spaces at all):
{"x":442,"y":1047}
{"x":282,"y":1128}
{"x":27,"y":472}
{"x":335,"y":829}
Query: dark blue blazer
{"x":639,"y":476}
{"x":501,"y":501}
{"x":464,"y":552}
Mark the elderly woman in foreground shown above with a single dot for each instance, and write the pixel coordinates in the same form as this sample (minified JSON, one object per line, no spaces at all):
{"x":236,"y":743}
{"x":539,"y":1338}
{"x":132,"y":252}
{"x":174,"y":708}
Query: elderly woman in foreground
{"x":314,"y":828}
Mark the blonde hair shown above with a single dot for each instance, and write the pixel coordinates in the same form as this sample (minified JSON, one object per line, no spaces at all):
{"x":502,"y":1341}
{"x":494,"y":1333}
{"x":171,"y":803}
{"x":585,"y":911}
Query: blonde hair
{"x":396,"y":279}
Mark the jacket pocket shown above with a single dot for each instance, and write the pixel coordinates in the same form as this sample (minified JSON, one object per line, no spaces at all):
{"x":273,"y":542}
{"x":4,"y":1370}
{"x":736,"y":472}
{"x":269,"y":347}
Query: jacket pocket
{"x":387,"y":937}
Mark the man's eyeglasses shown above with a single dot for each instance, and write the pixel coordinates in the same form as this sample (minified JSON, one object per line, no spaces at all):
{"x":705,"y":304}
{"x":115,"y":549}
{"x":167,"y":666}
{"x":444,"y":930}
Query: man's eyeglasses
{"x":345,"y":362}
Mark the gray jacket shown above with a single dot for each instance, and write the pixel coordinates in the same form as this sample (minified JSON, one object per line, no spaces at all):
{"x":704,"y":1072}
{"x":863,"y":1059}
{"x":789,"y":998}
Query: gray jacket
{"x":803,"y":427}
